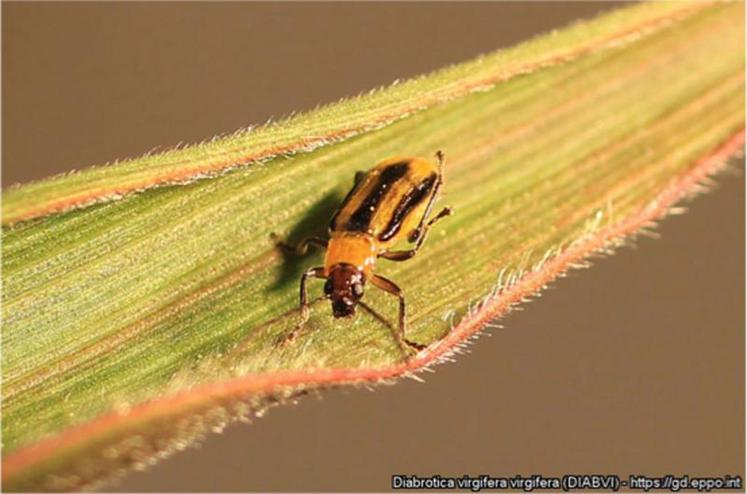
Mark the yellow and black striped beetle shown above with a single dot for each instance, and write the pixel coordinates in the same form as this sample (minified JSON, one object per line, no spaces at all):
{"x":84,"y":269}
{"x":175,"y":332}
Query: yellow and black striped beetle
{"x":389,"y":203}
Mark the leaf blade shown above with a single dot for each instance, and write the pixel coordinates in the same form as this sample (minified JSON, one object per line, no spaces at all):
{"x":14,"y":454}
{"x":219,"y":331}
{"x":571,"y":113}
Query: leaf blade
{"x":555,"y":156}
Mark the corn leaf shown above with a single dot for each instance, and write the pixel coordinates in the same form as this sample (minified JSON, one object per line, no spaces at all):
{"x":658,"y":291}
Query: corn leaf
{"x":143,"y":301}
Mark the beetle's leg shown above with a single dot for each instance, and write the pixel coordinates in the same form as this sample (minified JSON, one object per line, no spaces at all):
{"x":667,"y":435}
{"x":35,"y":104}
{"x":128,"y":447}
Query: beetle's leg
{"x":403,"y":255}
{"x":358,"y":177}
{"x":305,"y":310}
{"x":317,"y":272}
{"x":390,"y":287}
{"x":441,"y":160}
{"x":302,"y":247}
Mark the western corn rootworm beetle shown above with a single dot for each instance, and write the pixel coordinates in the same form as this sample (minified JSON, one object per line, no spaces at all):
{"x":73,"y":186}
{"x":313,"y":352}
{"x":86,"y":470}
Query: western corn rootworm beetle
{"x":389,"y":203}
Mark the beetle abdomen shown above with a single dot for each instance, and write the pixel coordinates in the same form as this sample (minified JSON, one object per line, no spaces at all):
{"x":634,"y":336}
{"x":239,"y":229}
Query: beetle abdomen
{"x":389,"y":201}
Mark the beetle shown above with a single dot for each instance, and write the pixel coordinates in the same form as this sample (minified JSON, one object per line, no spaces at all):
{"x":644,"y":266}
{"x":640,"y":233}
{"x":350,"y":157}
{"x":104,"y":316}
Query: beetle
{"x":389,"y":203}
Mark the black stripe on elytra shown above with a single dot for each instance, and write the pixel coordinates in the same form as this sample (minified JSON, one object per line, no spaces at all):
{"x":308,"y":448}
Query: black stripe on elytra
{"x":360,"y":220}
{"x":352,"y":191}
{"x":410,"y":201}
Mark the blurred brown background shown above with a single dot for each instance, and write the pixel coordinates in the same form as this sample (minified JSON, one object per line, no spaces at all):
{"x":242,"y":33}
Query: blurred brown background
{"x":635,"y":366}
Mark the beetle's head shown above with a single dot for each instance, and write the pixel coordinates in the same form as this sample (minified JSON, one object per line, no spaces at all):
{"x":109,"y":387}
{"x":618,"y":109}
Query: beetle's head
{"x":344,"y":287}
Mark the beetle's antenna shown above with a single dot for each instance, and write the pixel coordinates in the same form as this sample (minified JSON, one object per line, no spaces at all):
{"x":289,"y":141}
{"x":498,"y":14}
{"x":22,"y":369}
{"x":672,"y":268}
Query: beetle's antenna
{"x":376,"y":315}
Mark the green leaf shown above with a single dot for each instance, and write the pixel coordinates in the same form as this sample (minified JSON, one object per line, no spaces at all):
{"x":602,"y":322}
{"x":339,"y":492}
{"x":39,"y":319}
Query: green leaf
{"x":143,"y":301}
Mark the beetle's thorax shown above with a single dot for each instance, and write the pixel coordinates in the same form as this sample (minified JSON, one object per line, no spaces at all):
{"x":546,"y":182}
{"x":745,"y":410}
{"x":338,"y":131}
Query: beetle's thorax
{"x":356,"y":249}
